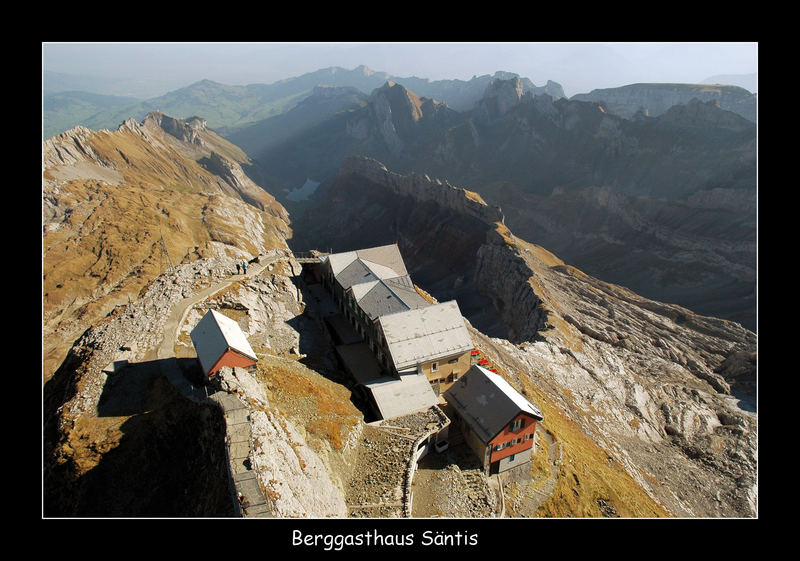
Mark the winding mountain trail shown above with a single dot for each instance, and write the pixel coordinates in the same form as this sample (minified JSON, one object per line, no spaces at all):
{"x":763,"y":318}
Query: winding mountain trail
{"x":178,"y":314}
{"x":243,"y":480}
{"x":543,"y":493}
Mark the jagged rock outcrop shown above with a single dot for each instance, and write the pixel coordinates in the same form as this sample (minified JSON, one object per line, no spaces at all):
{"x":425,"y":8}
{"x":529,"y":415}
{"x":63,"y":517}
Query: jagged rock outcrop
{"x":397,"y":116}
{"x":68,"y":148}
{"x":188,"y":130}
{"x":499,"y":97}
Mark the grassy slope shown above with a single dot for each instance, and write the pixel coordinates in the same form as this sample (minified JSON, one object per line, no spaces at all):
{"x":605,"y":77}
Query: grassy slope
{"x":108,"y":246}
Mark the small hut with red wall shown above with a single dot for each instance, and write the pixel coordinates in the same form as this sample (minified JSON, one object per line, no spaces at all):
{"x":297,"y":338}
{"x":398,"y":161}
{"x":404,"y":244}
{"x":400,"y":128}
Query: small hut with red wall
{"x":219,"y":341}
{"x":498,"y":423}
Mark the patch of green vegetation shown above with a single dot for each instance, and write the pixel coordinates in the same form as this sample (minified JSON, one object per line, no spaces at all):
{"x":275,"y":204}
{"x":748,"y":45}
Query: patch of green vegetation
{"x":225,"y":108}
{"x":65,"y":110}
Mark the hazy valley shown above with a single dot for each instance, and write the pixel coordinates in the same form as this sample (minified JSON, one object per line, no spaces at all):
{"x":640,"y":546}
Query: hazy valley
{"x":508,"y":197}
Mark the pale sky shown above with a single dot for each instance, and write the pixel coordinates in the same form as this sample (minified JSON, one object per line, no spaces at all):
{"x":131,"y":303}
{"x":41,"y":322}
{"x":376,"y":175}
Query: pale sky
{"x":578,"y":67}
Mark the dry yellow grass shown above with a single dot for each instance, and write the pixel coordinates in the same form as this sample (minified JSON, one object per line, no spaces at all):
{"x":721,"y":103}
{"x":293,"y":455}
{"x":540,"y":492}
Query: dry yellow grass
{"x":588,"y":475}
{"x":303,"y":394}
{"x":108,"y":248}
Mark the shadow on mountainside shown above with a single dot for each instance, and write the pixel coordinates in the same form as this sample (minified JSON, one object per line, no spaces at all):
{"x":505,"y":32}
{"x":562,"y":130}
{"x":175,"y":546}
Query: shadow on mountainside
{"x":127,"y":391}
{"x":148,"y":453}
{"x":317,"y":340}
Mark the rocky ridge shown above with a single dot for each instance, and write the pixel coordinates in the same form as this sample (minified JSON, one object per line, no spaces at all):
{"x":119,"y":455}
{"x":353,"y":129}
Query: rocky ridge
{"x":655,"y":99}
{"x":423,"y":188}
{"x":119,"y":208}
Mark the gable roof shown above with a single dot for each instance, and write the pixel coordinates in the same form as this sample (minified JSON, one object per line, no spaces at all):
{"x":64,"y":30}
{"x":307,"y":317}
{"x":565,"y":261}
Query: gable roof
{"x":388,"y":296}
{"x":377,"y":259}
{"x":214,"y":334}
{"x":487,"y":402}
{"x":426,"y":333}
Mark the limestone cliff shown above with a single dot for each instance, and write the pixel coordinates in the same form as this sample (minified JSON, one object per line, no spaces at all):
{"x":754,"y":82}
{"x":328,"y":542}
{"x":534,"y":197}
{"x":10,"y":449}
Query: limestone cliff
{"x":655,"y":99}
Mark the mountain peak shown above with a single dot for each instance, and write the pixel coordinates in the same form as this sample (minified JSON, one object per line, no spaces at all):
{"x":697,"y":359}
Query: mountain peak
{"x":187,"y":130}
{"x":500,"y":96}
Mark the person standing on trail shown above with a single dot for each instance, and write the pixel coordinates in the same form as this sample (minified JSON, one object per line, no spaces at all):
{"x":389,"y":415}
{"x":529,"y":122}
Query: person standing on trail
{"x":244,"y":265}
{"x":237,"y":268}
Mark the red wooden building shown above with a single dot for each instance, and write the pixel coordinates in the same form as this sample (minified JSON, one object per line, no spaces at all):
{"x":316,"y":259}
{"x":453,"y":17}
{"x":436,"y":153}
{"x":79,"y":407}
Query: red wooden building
{"x":498,"y":423}
{"x":219,"y":341}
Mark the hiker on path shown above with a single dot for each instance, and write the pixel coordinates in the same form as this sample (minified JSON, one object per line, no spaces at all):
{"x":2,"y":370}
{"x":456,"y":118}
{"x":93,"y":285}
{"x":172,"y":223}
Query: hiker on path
{"x":244,"y":265}
{"x":237,"y":268}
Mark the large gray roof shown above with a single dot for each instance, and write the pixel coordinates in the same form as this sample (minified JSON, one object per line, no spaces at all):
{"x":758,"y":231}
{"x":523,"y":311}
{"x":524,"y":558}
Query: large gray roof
{"x":425,"y":334}
{"x":415,"y":330}
{"x":355,"y":273}
{"x":487,"y":402}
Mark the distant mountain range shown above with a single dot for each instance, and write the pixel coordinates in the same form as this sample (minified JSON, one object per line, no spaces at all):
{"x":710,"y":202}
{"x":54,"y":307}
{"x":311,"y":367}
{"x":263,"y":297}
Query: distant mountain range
{"x":655,"y":99}
{"x":82,"y":100}
{"x":228,"y":108}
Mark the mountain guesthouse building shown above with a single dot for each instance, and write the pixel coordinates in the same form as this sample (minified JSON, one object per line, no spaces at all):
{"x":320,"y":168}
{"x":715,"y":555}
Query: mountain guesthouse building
{"x":497,"y":422}
{"x":219,"y":342}
{"x":406,"y":333}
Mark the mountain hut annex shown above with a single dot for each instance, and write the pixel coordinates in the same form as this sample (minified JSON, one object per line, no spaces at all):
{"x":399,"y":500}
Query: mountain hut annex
{"x":219,"y":342}
{"x":497,"y":422}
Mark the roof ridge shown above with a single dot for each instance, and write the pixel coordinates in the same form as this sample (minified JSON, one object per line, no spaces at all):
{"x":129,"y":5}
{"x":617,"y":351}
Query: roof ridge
{"x":367,"y":263}
{"x":389,"y":288}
